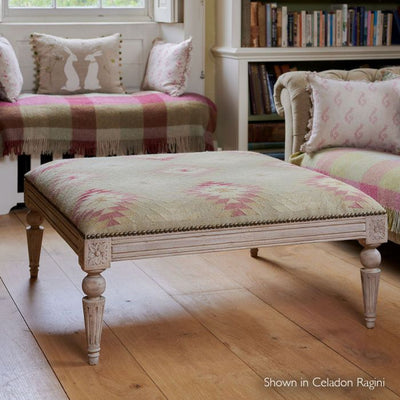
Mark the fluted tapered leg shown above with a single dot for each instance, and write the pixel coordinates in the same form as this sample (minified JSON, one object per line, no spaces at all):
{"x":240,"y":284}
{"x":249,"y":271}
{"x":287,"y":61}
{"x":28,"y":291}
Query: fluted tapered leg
{"x":370,"y":274}
{"x":93,"y":286}
{"x":34,"y":234}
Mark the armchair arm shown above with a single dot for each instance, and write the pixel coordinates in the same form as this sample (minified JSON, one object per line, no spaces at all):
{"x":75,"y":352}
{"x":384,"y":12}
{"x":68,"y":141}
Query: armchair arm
{"x":293,"y":102}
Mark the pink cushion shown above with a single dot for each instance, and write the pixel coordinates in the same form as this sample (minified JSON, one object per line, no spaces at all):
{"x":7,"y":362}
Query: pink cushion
{"x":354,"y":114}
{"x":168,"y":67}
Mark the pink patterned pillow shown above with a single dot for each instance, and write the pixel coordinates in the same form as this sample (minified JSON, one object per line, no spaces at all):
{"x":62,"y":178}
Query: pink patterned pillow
{"x":10,"y":74}
{"x":168,"y":67}
{"x":354,"y":114}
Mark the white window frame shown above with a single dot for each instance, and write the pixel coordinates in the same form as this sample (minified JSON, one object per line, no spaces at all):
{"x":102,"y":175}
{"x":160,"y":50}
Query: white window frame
{"x":72,"y":15}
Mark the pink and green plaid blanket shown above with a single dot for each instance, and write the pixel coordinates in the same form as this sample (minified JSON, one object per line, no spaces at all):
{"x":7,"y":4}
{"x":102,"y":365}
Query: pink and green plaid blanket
{"x":375,"y":173}
{"x":107,"y":124}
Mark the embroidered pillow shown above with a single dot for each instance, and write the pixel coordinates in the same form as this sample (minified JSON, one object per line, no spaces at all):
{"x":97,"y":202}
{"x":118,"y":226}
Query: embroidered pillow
{"x":10,"y":74}
{"x":168,"y":67}
{"x":354,"y":114}
{"x":70,"y":66}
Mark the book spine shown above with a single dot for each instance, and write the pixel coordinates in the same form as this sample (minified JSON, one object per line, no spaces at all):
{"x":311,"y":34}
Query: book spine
{"x":271,"y":82}
{"x":368,"y":28}
{"x":355,"y":28}
{"x":339,"y":23}
{"x":365,"y":28}
{"x":269,"y":24}
{"x":389,"y":29}
{"x":296,"y":29}
{"x":303,"y":29}
{"x":322,"y":29}
{"x":253,"y":107}
{"x":350,"y":20}
{"x":279,"y":26}
{"x":315,"y":29}
{"x":261,"y":24}
{"x":245,"y":28}
{"x":290,"y":29}
{"x":284,"y":26}
{"x":264,"y":88}
{"x":309,"y":34}
{"x":360,"y":39}
{"x":344,"y":24}
{"x":257,"y":88}
{"x":396,"y":27}
{"x":254,"y":33}
{"x":274,"y":21}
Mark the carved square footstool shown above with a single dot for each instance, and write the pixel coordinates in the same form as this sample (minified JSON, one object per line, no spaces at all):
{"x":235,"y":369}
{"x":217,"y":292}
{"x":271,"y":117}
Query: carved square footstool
{"x":123,"y":208}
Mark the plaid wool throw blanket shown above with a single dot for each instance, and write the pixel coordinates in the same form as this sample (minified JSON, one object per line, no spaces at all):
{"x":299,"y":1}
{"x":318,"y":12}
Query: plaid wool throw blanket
{"x":107,"y":124}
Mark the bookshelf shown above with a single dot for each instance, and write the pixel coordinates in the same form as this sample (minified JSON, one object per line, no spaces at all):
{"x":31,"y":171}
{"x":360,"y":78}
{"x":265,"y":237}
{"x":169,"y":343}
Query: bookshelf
{"x":232,"y":65}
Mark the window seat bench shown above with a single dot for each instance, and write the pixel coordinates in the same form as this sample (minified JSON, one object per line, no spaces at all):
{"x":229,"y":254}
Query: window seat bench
{"x":100,"y":125}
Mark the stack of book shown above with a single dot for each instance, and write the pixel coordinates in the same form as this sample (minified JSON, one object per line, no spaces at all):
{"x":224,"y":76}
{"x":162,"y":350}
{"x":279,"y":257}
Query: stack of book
{"x":267,"y":138}
{"x":267,"y":25}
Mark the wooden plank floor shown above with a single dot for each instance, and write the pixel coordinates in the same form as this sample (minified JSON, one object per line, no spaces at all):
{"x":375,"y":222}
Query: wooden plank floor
{"x":210,"y":326}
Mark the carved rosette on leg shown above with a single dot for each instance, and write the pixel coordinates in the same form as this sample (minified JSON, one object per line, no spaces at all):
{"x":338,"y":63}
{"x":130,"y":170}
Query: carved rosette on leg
{"x":93,"y":285}
{"x":34,"y":234}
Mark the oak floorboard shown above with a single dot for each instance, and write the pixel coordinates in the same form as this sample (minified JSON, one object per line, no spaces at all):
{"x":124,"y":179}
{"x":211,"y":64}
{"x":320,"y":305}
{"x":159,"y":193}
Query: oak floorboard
{"x":335,"y":319}
{"x":339,"y":278}
{"x":176,"y":351}
{"x":349,"y":251}
{"x":24,"y":371}
{"x":52,"y":309}
{"x":185,"y":274}
{"x":12,"y":232}
{"x":182,"y":357}
{"x":295,"y":310}
{"x":276,"y":348}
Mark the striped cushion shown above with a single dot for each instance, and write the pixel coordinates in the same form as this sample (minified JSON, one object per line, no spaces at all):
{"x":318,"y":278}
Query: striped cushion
{"x":375,"y":173}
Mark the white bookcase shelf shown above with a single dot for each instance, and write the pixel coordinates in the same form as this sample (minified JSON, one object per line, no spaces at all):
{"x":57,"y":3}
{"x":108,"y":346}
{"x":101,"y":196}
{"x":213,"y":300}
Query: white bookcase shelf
{"x":232,"y":88}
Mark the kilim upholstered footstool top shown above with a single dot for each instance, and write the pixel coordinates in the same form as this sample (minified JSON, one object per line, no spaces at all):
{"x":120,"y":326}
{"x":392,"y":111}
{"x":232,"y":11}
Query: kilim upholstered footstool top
{"x":117,"y":208}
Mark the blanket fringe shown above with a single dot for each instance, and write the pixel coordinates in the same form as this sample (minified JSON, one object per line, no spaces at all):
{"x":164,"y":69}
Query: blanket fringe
{"x":393,"y":221}
{"x":35,"y":147}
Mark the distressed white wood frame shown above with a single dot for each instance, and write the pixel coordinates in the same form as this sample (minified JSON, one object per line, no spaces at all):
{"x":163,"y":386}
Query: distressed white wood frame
{"x":95,"y":255}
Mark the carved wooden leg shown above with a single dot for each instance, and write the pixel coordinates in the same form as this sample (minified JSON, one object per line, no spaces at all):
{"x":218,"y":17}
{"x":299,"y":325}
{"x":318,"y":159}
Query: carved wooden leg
{"x":34,"y":233}
{"x":254,"y":252}
{"x":371,"y":260}
{"x":93,"y":285}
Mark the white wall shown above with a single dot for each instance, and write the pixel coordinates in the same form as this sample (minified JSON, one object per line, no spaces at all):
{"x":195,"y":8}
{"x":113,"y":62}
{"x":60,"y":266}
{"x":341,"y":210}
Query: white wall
{"x":137,"y":39}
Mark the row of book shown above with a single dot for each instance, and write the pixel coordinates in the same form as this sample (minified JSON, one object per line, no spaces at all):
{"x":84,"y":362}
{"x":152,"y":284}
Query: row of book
{"x":267,"y":25}
{"x":261,"y":86}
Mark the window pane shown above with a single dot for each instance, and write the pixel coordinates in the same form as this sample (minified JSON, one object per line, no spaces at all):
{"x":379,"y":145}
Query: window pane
{"x":124,"y":3}
{"x":77,"y":3}
{"x":29,"y":3}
